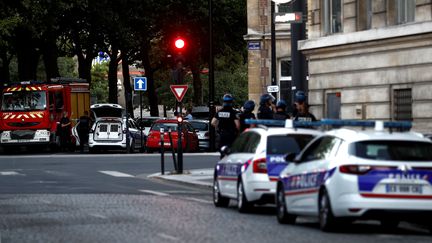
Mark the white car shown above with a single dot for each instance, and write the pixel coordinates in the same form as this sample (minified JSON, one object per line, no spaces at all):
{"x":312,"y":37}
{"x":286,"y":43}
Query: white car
{"x":110,"y":130}
{"x":346,"y":174}
{"x":250,"y":168}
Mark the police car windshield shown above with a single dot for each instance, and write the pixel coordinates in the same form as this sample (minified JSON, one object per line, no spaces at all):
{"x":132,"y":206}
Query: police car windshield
{"x":285,"y":144}
{"x":24,"y":101}
{"x":392,"y":150}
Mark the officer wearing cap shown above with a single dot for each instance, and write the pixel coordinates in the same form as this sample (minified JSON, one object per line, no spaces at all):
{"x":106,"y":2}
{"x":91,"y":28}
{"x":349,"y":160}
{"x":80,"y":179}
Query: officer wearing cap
{"x":227,"y":122}
{"x":281,"y":113}
{"x":247,"y":113}
{"x":301,"y":110}
{"x":266,"y":109}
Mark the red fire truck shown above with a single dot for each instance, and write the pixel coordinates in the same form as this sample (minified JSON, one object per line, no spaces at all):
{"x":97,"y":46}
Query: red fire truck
{"x":31,"y":110}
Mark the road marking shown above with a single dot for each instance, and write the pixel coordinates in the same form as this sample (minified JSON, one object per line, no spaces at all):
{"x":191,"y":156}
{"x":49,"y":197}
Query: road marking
{"x":154,"y":193}
{"x":198,"y":200}
{"x":9,"y":173}
{"x":168,"y":237}
{"x":100,"y":216}
{"x":115,"y":173}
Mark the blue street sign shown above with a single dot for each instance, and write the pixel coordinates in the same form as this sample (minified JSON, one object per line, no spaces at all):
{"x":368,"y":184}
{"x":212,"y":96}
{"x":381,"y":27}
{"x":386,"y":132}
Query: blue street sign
{"x":140,"y":83}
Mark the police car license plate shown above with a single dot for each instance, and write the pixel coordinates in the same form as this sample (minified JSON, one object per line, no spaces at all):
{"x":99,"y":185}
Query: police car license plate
{"x":404,"y":189}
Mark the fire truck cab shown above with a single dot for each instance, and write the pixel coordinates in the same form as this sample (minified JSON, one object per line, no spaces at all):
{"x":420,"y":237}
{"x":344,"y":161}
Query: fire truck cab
{"x":31,"y":110}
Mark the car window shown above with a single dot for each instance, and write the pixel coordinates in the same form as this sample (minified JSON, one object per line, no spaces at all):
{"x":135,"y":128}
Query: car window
{"x":252,"y":145}
{"x":321,"y":148}
{"x":166,"y":126}
{"x":200,"y":126}
{"x":289,"y":143}
{"x":240,"y":143}
{"x":190,"y":128}
{"x":392,"y":150}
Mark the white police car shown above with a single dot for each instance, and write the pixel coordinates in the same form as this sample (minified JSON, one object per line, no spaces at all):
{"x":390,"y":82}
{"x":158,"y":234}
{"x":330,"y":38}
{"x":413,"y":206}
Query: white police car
{"x":250,"y":168}
{"x":348,"y":174}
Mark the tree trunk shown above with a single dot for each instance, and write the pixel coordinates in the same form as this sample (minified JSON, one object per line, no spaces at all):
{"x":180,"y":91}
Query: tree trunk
{"x":27,"y":55}
{"x":127,"y":84}
{"x":49,"y":50}
{"x":197,"y":84}
{"x":112,"y":75}
{"x":84,"y":66}
{"x":151,"y":91}
{"x":4,"y":67}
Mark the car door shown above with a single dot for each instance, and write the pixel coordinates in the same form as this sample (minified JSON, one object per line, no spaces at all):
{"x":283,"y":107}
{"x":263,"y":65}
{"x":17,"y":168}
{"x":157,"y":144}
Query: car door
{"x":230,"y":166}
{"x":307,"y":174}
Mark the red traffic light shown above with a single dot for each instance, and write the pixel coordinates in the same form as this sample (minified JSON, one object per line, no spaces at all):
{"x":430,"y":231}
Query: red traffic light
{"x":179,"y":119}
{"x":179,"y":43}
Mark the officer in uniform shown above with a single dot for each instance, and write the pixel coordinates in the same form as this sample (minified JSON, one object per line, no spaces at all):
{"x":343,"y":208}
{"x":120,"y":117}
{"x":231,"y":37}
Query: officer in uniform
{"x":227,"y":122}
{"x":266,"y":109}
{"x":247,"y":113}
{"x":302,"y":109}
{"x":281,"y":114}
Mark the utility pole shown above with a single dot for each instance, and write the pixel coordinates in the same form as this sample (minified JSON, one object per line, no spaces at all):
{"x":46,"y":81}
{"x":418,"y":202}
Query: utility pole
{"x":298,"y":60}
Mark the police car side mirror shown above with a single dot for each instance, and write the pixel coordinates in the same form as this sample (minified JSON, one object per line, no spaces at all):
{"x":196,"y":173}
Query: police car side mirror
{"x":291,"y":157}
{"x":225,"y":150}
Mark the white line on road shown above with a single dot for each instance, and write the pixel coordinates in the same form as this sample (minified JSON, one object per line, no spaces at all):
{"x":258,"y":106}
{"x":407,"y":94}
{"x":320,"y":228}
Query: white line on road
{"x":9,"y":173}
{"x":100,"y":216}
{"x":168,"y":237}
{"x":198,"y":200}
{"x":154,"y":193}
{"x":115,"y":173}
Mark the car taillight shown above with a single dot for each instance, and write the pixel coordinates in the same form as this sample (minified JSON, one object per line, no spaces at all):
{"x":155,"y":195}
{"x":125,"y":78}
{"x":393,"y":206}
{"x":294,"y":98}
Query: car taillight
{"x":259,"y":166}
{"x":355,"y":169}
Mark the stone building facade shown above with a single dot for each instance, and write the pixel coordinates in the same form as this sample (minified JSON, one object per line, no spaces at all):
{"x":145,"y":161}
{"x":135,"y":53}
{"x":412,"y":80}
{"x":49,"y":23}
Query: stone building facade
{"x":370,"y":59}
{"x":259,"y":51}
{"x":367,"y":59}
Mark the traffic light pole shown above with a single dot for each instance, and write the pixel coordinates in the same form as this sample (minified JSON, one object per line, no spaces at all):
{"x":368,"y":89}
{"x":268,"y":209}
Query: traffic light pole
{"x":212,"y":109}
{"x":179,"y":80}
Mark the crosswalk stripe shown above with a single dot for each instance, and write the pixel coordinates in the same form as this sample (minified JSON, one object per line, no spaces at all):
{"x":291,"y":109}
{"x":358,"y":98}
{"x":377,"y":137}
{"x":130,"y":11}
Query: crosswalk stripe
{"x":9,"y":173}
{"x":154,"y":193}
{"x":115,"y":173}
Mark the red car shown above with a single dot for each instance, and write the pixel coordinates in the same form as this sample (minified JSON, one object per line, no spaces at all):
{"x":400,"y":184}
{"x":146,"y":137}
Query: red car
{"x":189,"y":136}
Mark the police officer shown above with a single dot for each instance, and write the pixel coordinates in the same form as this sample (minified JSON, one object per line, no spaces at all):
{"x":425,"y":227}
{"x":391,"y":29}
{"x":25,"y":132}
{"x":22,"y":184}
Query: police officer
{"x":227,"y":122}
{"x":266,"y":109}
{"x":302,"y":109}
{"x":281,"y":114}
{"x":247,"y":113}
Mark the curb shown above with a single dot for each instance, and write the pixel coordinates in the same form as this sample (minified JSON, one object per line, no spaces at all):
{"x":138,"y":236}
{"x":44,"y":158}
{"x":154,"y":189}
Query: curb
{"x":166,"y":177}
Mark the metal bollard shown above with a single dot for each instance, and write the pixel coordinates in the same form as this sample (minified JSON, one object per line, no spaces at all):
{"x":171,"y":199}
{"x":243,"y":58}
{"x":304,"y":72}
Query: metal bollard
{"x":162,"y":151}
{"x":172,"y":149}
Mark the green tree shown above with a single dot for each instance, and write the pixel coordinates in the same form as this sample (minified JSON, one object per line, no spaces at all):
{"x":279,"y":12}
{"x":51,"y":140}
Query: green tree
{"x":99,"y":84}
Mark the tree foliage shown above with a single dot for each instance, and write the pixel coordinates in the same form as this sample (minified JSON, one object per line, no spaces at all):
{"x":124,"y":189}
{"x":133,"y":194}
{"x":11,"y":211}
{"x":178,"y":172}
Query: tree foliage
{"x":42,"y":35}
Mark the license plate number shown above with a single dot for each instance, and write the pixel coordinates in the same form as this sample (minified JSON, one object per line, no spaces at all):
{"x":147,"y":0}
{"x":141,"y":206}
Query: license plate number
{"x":404,"y":189}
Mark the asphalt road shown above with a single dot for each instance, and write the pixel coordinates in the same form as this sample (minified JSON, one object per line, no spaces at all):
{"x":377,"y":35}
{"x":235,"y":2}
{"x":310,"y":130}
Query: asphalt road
{"x":109,"y":198}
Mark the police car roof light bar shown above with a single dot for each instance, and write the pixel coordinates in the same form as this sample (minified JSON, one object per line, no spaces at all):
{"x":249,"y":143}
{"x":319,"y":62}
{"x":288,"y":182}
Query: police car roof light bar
{"x":283,"y":123}
{"x":402,"y":125}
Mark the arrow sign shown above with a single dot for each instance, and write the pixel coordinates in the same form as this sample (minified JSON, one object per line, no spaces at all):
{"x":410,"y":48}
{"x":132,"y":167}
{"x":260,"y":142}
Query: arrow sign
{"x":140,"y":83}
{"x":179,"y":91}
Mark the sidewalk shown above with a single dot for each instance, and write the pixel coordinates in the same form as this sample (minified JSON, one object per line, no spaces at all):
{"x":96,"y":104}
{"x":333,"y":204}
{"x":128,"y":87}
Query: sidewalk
{"x":200,"y":177}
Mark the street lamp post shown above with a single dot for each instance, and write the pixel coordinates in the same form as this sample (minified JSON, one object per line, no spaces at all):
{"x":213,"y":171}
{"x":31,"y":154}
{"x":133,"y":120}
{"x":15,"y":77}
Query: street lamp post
{"x":212,"y":110}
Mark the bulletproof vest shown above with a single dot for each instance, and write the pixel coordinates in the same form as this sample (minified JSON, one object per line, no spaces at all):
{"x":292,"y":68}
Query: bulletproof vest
{"x":226,"y":117}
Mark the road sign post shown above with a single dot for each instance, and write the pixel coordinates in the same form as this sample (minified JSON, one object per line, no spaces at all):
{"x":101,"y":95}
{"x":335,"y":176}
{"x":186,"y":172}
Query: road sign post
{"x":140,"y":84}
{"x":179,"y":92}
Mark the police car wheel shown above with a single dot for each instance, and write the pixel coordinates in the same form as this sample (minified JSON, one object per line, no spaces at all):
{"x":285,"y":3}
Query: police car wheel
{"x":218,"y":199}
{"x":282,"y":214}
{"x":327,"y":220}
{"x":243,"y":205}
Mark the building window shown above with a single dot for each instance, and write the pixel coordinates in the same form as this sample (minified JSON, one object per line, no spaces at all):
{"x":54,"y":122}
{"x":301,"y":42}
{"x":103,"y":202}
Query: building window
{"x":285,"y":80}
{"x":332,"y":16}
{"x":402,"y":105}
{"x":283,"y":8}
{"x":405,"y":11}
{"x":364,"y":14}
